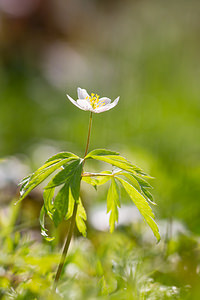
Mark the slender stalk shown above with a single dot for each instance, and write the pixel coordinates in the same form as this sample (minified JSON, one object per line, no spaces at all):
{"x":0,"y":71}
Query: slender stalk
{"x":66,"y":247}
{"x":86,"y":174}
{"x":73,"y":219}
{"x":88,"y":138}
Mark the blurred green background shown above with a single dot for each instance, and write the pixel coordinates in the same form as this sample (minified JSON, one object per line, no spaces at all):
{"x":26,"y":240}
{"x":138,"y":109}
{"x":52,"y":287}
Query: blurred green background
{"x":146,"y":52}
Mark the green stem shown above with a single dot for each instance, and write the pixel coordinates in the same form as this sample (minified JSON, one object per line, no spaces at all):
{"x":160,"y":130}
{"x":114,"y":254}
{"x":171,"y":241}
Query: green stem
{"x":66,"y":247}
{"x":87,"y":174}
{"x":73,"y":219}
{"x":88,"y":138}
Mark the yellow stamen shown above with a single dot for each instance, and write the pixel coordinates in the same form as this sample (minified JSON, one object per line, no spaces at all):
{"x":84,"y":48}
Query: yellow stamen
{"x":94,"y":101}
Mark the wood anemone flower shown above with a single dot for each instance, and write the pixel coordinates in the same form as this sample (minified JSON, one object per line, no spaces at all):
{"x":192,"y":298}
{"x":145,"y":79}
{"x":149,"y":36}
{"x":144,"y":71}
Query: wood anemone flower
{"x":92,"y":103}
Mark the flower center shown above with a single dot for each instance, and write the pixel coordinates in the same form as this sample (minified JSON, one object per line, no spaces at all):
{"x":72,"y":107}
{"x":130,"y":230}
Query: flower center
{"x":95,"y":102}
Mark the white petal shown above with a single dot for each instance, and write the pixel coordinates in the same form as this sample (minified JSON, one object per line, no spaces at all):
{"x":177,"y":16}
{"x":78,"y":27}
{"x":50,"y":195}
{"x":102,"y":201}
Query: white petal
{"x":107,"y":107}
{"x":74,"y":102}
{"x":82,"y":93}
{"x":105,"y":100}
{"x":84,"y":104}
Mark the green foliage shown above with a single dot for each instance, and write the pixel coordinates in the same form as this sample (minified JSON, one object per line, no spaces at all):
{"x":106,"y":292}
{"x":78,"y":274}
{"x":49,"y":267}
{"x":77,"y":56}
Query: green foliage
{"x":60,"y":204}
{"x":60,"y":207}
{"x":137,"y":270}
{"x":100,"y":178}
{"x":69,"y":169}
{"x":42,"y":225}
{"x":137,"y":187}
{"x":64,"y":176}
{"x":72,"y":182}
{"x":142,"y":206}
{"x":70,"y":207}
{"x":114,"y":159}
{"x":158,"y":118}
{"x":113,"y":204}
{"x":48,"y":201}
{"x":53,"y":164}
{"x":80,"y":218}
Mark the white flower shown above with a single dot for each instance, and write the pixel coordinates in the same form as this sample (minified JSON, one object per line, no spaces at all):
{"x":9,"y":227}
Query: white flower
{"x":93,"y":103}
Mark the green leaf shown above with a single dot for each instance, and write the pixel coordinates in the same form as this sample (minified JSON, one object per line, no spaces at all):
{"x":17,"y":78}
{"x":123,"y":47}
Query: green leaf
{"x":80,"y":218}
{"x":113,"y":204}
{"x":48,"y":166}
{"x":48,"y":201}
{"x":76,"y":181}
{"x":103,"y":179}
{"x":64,"y":175}
{"x":132,"y":180}
{"x":142,"y":206}
{"x":40,"y":175}
{"x":70,"y":209}
{"x":62,"y":155}
{"x":114,"y":159}
{"x":113,"y":195}
{"x":24,"y":183}
{"x":142,"y":182}
{"x":64,"y":201}
{"x":148,"y":196}
{"x":25,"y":180}
{"x":113,"y":218}
{"x":42,"y":224}
{"x":101,"y":152}
{"x":97,"y":178}
{"x":60,"y":204}
{"x":90,"y":180}
{"x":144,"y":186}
